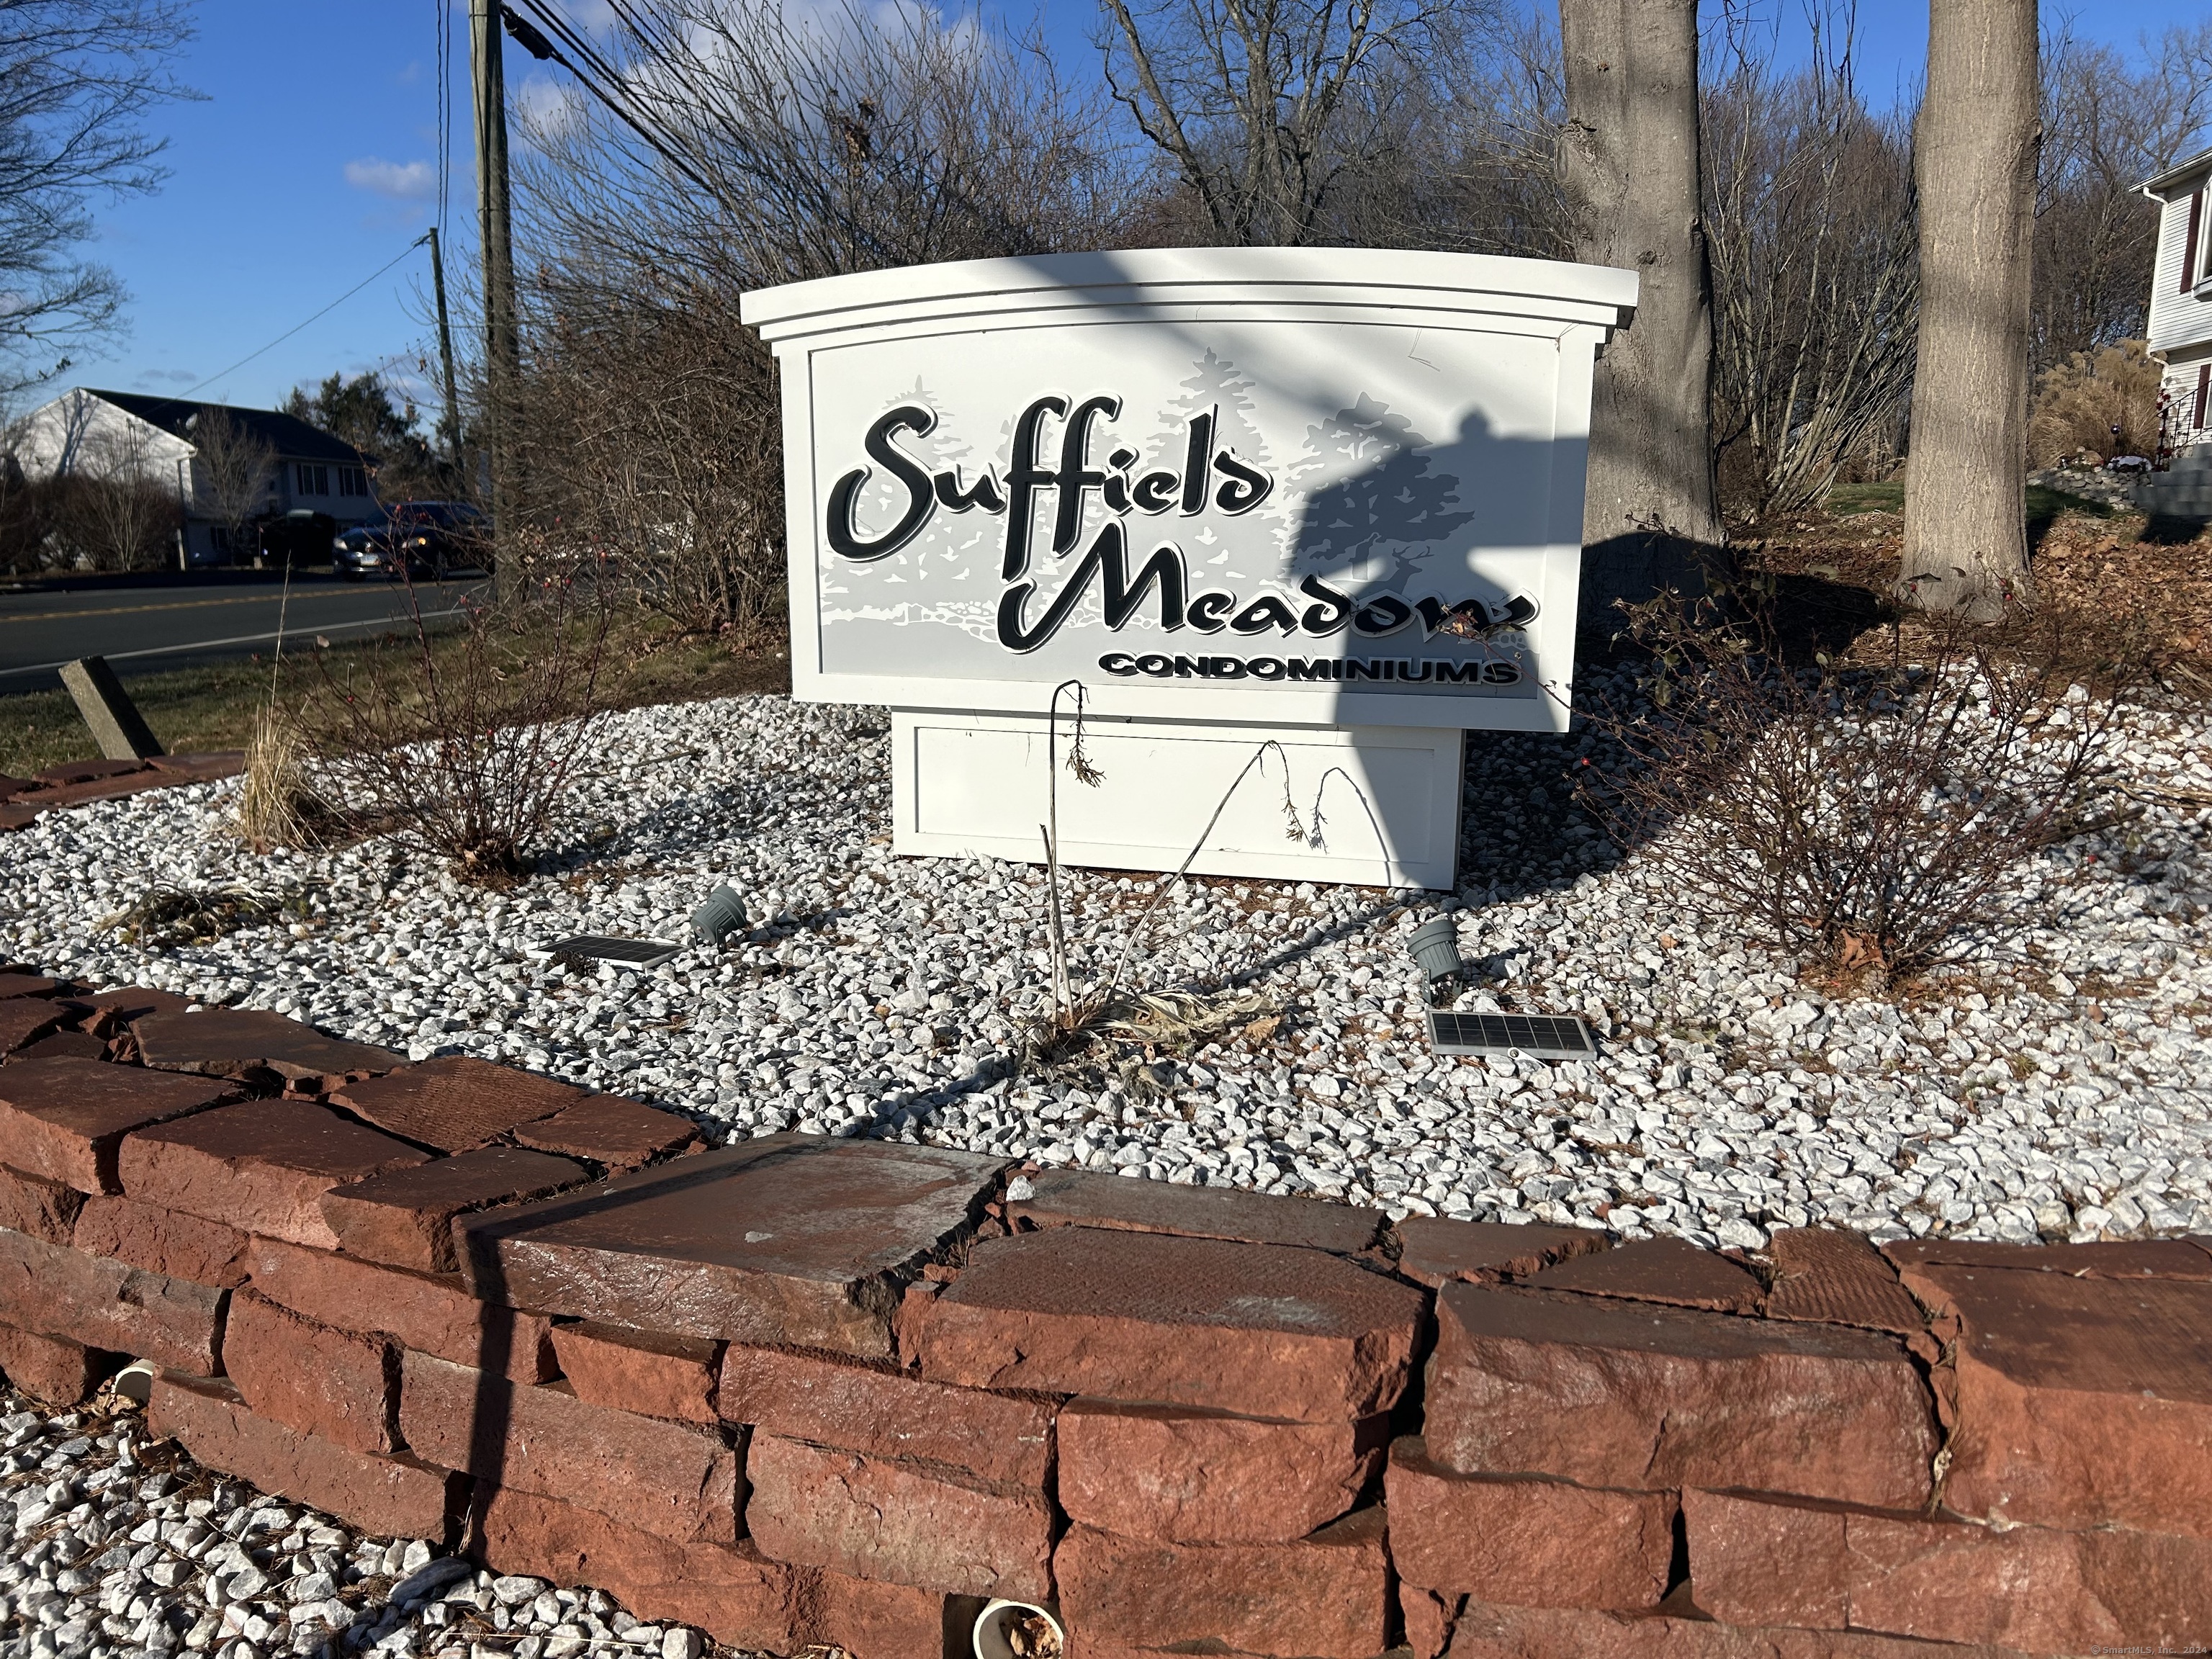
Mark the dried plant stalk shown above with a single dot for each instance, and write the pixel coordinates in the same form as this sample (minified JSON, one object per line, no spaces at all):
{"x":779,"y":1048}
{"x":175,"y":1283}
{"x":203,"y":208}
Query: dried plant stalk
{"x":279,"y":806}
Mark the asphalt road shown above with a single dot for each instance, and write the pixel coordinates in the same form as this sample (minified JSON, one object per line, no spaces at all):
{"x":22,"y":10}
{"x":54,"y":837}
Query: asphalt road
{"x":163,"y":625}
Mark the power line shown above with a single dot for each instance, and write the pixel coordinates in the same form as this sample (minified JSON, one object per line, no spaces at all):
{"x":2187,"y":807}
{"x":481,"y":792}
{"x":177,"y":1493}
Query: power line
{"x":535,"y":43}
{"x":296,"y":327}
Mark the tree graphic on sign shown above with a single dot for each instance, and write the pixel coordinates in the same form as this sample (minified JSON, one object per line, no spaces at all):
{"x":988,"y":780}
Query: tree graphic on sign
{"x":1220,"y":390}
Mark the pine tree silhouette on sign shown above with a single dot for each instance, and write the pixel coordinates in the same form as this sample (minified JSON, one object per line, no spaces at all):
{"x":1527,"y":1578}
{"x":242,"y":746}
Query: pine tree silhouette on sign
{"x":1218,"y":392}
{"x":1218,"y":386}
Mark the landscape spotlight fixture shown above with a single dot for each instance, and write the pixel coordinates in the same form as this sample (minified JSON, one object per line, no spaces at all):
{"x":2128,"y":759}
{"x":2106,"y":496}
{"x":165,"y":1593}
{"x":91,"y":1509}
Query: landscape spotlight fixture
{"x":1435,"y":948}
{"x":722,"y":915}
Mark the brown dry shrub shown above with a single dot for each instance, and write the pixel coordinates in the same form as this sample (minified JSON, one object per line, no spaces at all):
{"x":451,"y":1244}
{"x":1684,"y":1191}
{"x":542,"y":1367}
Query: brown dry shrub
{"x":2079,"y":402}
{"x":469,"y":746}
{"x":277,"y":805}
{"x":1876,"y":817}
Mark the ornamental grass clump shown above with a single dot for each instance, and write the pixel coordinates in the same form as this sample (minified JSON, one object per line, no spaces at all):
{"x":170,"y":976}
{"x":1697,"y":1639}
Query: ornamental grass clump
{"x":1878,"y":816}
{"x":278,"y":803}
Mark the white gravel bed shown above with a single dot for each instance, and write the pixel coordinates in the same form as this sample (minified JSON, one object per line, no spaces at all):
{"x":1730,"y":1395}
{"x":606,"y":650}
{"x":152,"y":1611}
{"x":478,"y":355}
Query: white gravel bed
{"x":2060,"y":1087}
{"x":118,"y":1545}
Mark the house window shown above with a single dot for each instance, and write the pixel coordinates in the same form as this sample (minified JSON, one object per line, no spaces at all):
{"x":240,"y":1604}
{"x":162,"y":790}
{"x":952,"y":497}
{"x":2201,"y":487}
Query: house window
{"x":310,"y":480}
{"x":352,"y":481}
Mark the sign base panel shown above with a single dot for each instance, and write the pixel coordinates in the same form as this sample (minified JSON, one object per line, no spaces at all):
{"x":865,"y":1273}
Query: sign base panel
{"x":1373,"y":805}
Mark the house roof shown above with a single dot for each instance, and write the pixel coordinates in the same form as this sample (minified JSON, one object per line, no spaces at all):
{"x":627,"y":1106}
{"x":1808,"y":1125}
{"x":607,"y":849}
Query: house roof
{"x":2179,"y":173}
{"x":292,"y":438}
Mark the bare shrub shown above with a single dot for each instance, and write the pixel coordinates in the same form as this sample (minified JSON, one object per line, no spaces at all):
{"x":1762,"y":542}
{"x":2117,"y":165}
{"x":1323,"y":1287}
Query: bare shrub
{"x":1874,"y":819}
{"x":466,"y":742}
{"x":117,"y":524}
{"x":2097,"y":404}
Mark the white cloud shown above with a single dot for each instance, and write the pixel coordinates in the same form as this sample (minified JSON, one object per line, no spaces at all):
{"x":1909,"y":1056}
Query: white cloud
{"x":593,"y":16}
{"x":409,"y":181}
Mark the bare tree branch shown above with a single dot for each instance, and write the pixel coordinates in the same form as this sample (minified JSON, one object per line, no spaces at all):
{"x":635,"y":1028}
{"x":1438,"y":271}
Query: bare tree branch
{"x":1266,"y":109}
{"x":232,"y":472}
{"x":76,"y":80}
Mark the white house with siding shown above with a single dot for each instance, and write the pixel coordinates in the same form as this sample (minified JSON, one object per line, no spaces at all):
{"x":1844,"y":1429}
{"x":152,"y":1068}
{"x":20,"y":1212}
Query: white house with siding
{"x":2180,"y":333}
{"x":130,"y":435}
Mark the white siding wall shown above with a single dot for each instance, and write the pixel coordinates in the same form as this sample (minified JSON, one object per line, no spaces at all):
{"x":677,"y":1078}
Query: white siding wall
{"x":80,"y":434}
{"x":2180,"y":385}
{"x":2179,"y":321}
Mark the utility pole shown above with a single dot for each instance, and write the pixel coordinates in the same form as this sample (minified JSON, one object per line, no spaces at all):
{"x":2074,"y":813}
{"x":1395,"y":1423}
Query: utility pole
{"x":445,"y":346}
{"x":502,"y":350}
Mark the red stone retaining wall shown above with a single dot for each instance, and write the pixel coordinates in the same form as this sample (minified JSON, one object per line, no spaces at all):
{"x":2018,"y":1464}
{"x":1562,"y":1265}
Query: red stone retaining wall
{"x":22,"y":799}
{"x":799,"y":1390}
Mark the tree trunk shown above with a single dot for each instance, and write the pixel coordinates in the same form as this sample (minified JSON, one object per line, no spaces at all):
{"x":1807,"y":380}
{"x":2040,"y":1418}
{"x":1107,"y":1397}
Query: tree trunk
{"x":1628,"y":164}
{"x":1974,"y":161}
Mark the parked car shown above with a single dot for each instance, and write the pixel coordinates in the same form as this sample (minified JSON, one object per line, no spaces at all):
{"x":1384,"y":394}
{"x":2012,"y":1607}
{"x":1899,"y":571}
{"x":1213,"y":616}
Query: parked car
{"x":416,"y":538}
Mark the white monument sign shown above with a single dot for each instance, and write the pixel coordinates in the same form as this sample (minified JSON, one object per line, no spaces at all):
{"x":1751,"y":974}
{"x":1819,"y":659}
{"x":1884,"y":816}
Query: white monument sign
{"x":1329,"y":498}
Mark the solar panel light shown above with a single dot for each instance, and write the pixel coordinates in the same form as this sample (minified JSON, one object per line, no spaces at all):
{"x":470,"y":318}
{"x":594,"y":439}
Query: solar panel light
{"x":1435,"y":948}
{"x":722,"y":915}
{"x":585,"y":950}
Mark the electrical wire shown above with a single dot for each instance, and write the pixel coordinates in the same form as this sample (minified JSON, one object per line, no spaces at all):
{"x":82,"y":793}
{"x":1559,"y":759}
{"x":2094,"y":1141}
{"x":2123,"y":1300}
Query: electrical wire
{"x":624,"y":107}
{"x":296,"y":327}
{"x":661,"y":142}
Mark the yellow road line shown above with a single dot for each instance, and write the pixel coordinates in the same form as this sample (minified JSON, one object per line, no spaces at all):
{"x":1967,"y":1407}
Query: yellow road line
{"x":187,"y":605}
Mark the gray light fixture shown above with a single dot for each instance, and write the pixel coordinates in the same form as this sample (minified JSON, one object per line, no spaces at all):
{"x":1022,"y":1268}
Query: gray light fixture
{"x":722,"y":915}
{"x":1435,"y":948}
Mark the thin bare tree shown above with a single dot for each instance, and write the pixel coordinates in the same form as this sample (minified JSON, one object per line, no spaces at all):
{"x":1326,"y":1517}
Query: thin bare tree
{"x":1268,"y":110}
{"x":1629,"y":165}
{"x":232,"y":470}
{"x":77,"y":79}
{"x":1809,"y":214}
{"x":1975,"y":154}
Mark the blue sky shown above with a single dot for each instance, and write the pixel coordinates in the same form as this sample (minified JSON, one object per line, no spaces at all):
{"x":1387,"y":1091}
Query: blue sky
{"x":312,"y":161}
